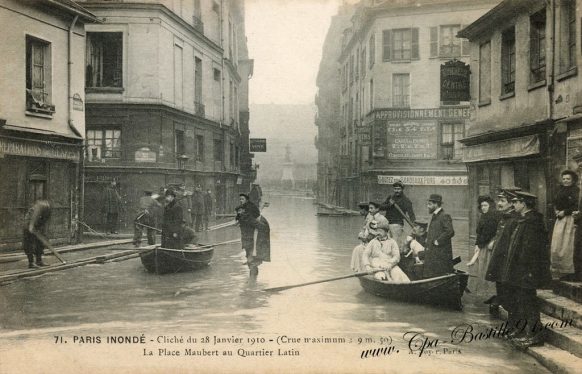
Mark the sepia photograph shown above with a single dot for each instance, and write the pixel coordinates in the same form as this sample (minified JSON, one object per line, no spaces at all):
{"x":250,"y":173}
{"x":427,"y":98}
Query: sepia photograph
{"x":290,"y":186}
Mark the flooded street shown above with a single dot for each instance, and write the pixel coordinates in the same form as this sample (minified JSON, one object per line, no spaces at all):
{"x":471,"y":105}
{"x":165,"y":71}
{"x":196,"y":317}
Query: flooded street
{"x":121,"y":299}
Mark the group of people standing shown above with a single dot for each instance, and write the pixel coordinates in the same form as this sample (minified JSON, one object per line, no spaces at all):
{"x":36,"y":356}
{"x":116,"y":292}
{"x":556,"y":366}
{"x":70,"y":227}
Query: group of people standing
{"x":184,"y":212}
{"x":390,"y":254}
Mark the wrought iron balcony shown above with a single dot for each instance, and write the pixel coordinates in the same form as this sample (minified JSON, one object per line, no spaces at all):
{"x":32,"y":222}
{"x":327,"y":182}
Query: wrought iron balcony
{"x":199,"y":109}
{"x":198,"y":24}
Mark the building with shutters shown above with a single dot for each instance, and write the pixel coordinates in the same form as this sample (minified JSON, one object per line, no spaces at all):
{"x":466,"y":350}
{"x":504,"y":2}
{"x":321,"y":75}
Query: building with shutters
{"x":395,"y":125}
{"x":164,"y":83}
{"x":42,"y":118}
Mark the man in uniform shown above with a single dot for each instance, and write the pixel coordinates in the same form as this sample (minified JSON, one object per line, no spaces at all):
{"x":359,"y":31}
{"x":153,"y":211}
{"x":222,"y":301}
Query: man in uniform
{"x":438,"y":254}
{"x":527,"y":267}
{"x":146,"y":216}
{"x":394,"y":216}
{"x":498,"y":258}
{"x":36,"y":220}
{"x":173,"y":220}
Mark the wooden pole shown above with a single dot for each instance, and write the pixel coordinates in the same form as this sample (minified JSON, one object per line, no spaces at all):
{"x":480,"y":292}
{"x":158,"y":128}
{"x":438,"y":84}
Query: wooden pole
{"x":46,"y":243}
{"x":354,"y":275}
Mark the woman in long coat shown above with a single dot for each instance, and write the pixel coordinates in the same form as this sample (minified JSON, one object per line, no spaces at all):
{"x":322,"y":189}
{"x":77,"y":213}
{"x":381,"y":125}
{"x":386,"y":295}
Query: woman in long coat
{"x":565,"y":203}
{"x":486,"y":230}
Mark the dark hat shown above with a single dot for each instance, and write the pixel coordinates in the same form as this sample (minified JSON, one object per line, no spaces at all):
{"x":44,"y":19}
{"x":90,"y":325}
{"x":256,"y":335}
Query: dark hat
{"x":246,"y":196}
{"x":523,"y":195}
{"x":436,"y":198}
{"x":170,"y":191}
{"x":421,"y":223}
{"x":508,"y":192}
{"x":377,"y":205}
{"x":148,"y":192}
{"x":363,"y":205}
{"x":398,"y":183}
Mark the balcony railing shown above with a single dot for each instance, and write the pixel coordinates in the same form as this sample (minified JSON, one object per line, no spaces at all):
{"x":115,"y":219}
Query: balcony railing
{"x":199,"y":109}
{"x":198,"y":24}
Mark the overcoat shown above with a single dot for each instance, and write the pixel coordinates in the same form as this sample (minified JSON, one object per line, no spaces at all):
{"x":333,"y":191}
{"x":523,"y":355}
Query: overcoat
{"x":173,"y":220}
{"x":528,"y":255}
{"x":438,"y":258}
{"x":505,"y":228}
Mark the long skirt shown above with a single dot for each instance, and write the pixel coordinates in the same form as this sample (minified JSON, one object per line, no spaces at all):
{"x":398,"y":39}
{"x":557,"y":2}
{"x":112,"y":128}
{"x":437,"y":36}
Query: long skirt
{"x":356,"y":263}
{"x":478,"y":283}
{"x":563,"y":246}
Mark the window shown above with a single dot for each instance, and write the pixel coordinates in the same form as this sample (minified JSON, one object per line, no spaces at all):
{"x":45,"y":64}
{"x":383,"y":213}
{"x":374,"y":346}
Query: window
{"x":401,"y":90}
{"x":351,"y":69}
{"x":357,"y":65}
{"x":103,"y":143}
{"x":485,"y":73}
{"x":508,"y":61}
{"x":537,"y":46}
{"x":363,"y":63}
{"x":445,"y":44}
{"x":216,"y":75}
{"x":231,"y":151}
{"x":218,"y":150}
{"x":198,"y":106}
{"x":371,"y":94}
{"x":178,"y":76}
{"x":450,"y":45}
{"x":104,"y":59}
{"x":199,"y":148}
{"x":236,"y":156}
{"x":400,"y":45}
{"x":567,"y":35}
{"x":38,"y":76}
{"x":180,"y":143}
{"x":197,"y":17}
{"x":450,"y":135}
{"x":372,"y":49}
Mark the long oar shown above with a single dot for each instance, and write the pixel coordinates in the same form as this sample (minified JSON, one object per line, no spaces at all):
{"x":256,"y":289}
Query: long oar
{"x":354,"y":275}
{"x":148,"y":227}
{"x":403,"y":215}
{"x":46,"y":243}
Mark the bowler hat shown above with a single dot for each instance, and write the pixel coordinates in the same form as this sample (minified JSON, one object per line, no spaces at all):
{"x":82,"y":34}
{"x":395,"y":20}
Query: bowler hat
{"x":436,"y":198}
{"x":398,"y":183}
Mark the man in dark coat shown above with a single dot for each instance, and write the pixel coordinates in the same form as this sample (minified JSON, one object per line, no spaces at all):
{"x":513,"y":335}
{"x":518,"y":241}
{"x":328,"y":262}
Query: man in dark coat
{"x":198,"y":208}
{"x":146,"y":216}
{"x":208,"y":204}
{"x":257,"y":248}
{"x":173,"y":220}
{"x":36,"y":222}
{"x":527,"y":267}
{"x":112,"y":207}
{"x":438,"y":254}
{"x":505,"y":227}
{"x":394,"y":216}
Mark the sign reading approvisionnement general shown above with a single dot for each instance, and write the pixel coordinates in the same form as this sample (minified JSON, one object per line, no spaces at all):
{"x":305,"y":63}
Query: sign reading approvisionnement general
{"x":425,"y":180}
{"x":412,"y":140}
{"x":257,"y":145}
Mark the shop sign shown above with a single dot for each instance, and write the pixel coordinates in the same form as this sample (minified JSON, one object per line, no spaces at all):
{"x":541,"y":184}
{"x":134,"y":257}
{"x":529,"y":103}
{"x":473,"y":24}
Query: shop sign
{"x":145,"y":155}
{"x":412,"y":141}
{"x":38,"y":149}
{"x":390,"y":114}
{"x":363,"y":134}
{"x":425,"y":180}
{"x":258,"y":145}
{"x":510,"y":148}
{"x":455,"y":78}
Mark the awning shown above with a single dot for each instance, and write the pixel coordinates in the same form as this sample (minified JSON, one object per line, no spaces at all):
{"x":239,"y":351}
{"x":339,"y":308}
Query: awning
{"x":509,"y":148}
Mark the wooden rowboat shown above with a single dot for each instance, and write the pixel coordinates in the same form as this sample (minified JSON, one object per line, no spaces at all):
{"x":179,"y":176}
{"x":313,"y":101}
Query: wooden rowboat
{"x":445,"y":290}
{"x":166,"y":260}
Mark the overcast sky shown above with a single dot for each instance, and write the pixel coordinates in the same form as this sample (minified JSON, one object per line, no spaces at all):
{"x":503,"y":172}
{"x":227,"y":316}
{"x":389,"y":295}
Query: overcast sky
{"x":285,"y":38}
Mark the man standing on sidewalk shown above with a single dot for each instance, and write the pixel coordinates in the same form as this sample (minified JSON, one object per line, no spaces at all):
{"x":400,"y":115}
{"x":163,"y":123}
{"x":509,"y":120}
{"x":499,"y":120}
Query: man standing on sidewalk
{"x":208,"y":204}
{"x":394,"y":216}
{"x":527,"y":268}
{"x":112,"y":207}
{"x":198,"y":210}
{"x":36,"y":222}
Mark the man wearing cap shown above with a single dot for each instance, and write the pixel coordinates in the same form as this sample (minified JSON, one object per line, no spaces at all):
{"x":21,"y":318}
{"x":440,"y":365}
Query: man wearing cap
{"x":173,"y":220}
{"x":146,"y":216}
{"x":505,"y":228}
{"x":438,"y":254}
{"x":394,"y":216}
{"x":382,"y":253}
{"x":527,"y":267}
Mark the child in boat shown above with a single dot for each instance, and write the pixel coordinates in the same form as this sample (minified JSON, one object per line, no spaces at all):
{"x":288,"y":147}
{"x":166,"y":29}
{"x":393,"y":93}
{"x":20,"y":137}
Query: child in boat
{"x":365,"y":236}
{"x":382,"y":253}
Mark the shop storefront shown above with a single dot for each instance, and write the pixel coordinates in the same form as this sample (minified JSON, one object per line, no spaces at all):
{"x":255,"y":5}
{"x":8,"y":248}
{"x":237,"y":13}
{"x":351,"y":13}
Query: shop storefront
{"x":34,"y":165}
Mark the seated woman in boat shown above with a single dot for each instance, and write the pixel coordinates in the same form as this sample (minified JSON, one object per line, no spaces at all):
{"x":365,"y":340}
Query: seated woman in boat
{"x":364,"y":236}
{"x":382,"y":253}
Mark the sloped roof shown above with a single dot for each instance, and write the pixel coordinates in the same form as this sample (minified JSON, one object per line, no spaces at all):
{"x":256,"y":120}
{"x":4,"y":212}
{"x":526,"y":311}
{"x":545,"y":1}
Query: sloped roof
{"x":74,"y":8}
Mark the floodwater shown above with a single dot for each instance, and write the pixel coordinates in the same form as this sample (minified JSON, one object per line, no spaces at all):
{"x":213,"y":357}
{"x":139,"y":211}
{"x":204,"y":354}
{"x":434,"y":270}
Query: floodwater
{"x":340,"y":320}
